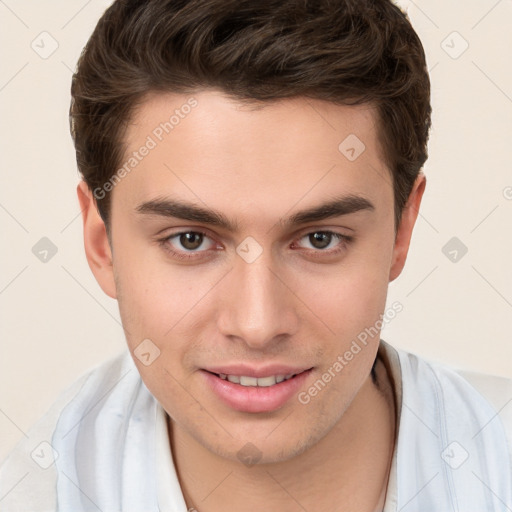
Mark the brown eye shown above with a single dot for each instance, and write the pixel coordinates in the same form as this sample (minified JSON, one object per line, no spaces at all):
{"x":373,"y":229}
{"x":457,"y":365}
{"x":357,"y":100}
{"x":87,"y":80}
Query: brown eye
{"x":191,"y":240}
{"x":323,"y":243}
{"x":189,"y":245}
{"x":320,"y":239}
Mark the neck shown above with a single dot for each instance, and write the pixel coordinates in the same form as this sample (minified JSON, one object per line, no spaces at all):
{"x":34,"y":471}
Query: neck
{"x":350,"y":465}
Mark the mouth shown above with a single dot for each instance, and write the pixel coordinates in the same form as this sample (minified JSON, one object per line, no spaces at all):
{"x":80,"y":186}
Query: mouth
{"x":261,"y":382}
{"x":255,"y":394}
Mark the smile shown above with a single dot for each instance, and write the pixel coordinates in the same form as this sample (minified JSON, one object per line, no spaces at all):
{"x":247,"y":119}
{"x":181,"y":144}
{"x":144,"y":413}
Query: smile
{"x":244,"y":380}
{"x":255,"y":394}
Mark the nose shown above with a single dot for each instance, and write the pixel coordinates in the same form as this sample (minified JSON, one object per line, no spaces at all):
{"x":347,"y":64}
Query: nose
{"x":256,"y":306}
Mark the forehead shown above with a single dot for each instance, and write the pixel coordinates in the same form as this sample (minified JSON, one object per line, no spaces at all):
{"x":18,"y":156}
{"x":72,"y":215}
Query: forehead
{"x":206,"y":147}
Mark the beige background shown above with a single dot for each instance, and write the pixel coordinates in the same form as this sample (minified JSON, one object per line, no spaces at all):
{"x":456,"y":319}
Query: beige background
{"x":55,"y":320}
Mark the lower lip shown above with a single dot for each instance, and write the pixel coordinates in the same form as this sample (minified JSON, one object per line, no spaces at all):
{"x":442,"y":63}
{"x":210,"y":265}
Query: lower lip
{"x":255,"y":398}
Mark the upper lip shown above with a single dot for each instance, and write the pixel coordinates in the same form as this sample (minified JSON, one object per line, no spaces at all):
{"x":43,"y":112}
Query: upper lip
{"x":258,"y":372}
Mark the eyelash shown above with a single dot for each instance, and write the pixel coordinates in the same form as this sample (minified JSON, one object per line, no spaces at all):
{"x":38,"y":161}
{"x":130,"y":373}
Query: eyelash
{"x":344,"y":240}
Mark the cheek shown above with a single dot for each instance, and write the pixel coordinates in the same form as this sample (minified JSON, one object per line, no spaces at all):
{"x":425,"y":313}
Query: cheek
{"x":346,"y":299}
{"x":151,"y":294}
{"x":153,"y":310}
{"x":163,"y":303}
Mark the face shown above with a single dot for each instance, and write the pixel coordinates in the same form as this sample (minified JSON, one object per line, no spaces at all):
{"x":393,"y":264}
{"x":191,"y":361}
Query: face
{"x":246,"y":243}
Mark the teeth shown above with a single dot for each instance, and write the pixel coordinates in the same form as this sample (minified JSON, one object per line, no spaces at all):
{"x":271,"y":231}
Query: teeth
{"x":253,"y":381}
{"x":265,"y":381}
{"x":248,"y":381}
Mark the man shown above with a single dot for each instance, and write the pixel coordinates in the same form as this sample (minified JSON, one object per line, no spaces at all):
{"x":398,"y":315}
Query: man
{"x":251,"y":180}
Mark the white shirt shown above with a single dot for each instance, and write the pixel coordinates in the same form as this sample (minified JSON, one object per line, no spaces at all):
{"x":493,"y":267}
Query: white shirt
{"x":452,"y":452}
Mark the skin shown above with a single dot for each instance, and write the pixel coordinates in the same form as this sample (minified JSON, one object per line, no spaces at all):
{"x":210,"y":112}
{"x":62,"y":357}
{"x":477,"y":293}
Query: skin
{"x":296,"y":304}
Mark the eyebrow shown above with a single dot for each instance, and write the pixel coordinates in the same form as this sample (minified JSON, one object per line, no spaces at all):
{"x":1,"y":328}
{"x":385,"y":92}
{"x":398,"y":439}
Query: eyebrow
{"x":337,"y":207}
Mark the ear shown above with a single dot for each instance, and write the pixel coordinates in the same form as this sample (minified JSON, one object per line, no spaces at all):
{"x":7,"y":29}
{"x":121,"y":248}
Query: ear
{"x":97,"y":247}
{"x":404,"y":232}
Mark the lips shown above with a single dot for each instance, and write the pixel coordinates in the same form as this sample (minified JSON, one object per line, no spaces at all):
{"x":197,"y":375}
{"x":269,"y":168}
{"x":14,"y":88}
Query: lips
{"x":247,"y":389}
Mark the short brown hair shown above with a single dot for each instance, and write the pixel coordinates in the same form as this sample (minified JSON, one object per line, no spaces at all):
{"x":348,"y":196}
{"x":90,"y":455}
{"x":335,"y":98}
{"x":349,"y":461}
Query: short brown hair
{"x":343,"y":51}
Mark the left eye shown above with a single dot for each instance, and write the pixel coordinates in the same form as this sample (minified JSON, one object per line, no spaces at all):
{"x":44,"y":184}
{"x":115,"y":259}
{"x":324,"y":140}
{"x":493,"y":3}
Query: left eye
{"x":189,"y":241}
{"x":323,"y":239}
